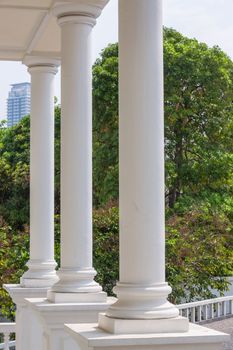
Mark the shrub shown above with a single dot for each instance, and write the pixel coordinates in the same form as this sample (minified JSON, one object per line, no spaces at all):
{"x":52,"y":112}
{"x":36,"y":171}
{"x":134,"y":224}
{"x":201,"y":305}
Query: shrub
{"x":14,"y":253}
{"x":198,"y":247}
{"x":106,"y":247}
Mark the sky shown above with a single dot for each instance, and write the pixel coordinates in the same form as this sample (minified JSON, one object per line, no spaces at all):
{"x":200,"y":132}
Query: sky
{"x":209,"y":21}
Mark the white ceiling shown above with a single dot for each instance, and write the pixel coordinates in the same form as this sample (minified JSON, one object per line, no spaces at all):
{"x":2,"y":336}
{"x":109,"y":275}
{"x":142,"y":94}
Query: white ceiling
{"x":28,"y":27}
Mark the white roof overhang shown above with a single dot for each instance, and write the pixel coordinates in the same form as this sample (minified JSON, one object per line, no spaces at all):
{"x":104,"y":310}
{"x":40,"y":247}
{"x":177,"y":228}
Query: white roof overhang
{"x":29,"y":27}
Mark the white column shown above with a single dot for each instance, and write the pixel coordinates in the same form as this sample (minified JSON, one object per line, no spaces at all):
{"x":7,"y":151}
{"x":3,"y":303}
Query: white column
{"x":142,"y":291}
{"x":76,"y":273}
{"x":41,"y":272}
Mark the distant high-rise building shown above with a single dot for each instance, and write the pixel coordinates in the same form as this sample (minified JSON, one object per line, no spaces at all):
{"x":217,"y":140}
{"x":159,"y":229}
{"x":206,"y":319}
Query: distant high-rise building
{"x":18,"y":103}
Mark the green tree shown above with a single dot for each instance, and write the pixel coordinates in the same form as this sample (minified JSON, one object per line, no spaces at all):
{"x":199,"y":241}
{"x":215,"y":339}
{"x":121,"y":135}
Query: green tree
{"x":57,"y":145}
{"x":105,"y":127}
{"x":14,"y":173}
{"x":198,"y":118}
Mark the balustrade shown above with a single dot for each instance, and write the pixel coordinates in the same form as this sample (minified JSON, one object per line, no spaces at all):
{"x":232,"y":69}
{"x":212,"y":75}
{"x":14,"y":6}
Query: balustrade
{"x":204,"y":310}
{"x":6,"y":329}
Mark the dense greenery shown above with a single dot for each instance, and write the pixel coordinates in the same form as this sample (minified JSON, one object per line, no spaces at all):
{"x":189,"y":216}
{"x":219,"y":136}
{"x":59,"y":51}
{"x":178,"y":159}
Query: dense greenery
{"x":199,"y":247}
{"x":14,"y":248}
{"x":14,"y":174}
{"x":105,"y":127}
{"x":199,"y":166}
{"x":195,"y":259}
{"x":198,"y":121}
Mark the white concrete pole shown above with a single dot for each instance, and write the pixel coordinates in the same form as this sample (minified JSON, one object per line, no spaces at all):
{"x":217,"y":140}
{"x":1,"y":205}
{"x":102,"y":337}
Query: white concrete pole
{"x":76,"y":273}
{"x":41,"y":265}
{"x":142,"y":290}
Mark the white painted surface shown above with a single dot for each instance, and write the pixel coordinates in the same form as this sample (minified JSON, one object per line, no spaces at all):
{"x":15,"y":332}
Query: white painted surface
{"x":6,"y":329}
{"x":52,"y":316}
{"x":122,"y":326}
{"x":27,"y":328}
{"x":29,"y":27}
{"x":203,"y":310}
{"x":88,"y":337}
{"x":11,"y":345}
{"x":76,"y":273}
{"x":41,"y":265}
{"x":142,"y":290}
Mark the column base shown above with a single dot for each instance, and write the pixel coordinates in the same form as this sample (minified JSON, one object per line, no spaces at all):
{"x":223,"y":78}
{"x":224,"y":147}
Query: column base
{"x":76,"y":281}
{"x":121,"y":326}
{"x":142,"y":301}
{"x":197,"y":338}
{"x":40,"y":274}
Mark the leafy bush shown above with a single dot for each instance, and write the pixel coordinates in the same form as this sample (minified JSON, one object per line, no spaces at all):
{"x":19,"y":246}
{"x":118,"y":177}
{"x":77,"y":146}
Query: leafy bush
{"x":199,"y":249}
{"x":14,"y":174}
{"x":199,"y":253}
{"x":14,"y":253}
{"x":106,"y":247}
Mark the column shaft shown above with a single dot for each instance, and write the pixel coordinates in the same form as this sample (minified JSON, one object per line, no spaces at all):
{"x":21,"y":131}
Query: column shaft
{"x":42,"y":166}
{"x":76,"y":273}
{"x":76,"y":150}
{"x":41,"y":264}
{"x":142,"y":249}
{"x":142,"y":290}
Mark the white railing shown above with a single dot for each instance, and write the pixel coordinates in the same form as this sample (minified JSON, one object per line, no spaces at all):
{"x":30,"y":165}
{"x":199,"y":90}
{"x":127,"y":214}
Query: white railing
{"x":204,"y":310}
{"x":11,"y":345}
{"x":7,"y":329}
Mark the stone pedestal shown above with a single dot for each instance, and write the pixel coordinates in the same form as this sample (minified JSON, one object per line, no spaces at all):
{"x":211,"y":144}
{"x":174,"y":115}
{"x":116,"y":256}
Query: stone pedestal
{"x":28,"y":329}
{"x":89,"y":337}
{"x":52,"y":316}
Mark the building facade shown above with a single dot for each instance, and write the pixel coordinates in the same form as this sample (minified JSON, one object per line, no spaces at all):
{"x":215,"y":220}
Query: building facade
{"x":18,"y":103}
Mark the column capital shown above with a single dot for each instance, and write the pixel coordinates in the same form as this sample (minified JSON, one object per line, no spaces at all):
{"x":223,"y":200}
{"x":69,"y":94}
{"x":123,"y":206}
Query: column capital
{"x":91,"y":21}
{"x":83,"y":8}
{"x":39,"y":63}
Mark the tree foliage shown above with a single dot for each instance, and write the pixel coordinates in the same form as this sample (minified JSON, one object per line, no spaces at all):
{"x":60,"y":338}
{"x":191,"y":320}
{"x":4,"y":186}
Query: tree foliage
{"x":198,"y":118}
{"x":194,"y":262}
{"x":199,"y":247}
{"x":14,"y":253}
{"x":105,"y":127}
{"x":14,"y":174}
